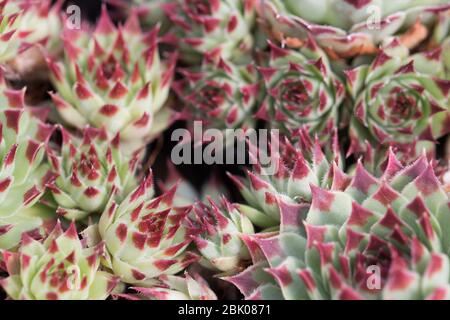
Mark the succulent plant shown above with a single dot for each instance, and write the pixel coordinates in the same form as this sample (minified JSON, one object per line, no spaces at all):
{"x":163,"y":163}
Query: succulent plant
{"x":204,"y":26}
{"x":145,"y":237}
{"x":396,"y":224}
{"x":114,"y":78}
{"x":33,"y":117}
{"x":350,"y":28}
{"x":11,"y":39}
{"x":85,"y":172}
{"x":23,"y":174}
{"x":57,"y":268}
{"x":297,"y":167}
{"x":219,"y":242}
{"x":221,"y":95}
{"x":302,"y":91}
{"x":347,"y":190}
{"x":255,"y":283}
{"x":30,"y":30}
{"x":397,"y":103}
{"x":42,"y":23}
{"x":39,"y":27}
{"x":176,"y":288}
{"x":23,"y":168}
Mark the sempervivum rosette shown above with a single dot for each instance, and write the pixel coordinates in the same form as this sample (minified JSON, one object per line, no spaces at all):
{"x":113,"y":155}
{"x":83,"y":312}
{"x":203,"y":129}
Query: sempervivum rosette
{"x":85,"y":172}
{"x":203,"y":25}
{"x":57,"y":268}
{"x":145,"y":237}
{"x":348,"y":28}
{"x":384,"y":238}
{"x":11,"y":39}
{"x":219,"y":242}
{"x":23,"y":173}
{"x":40,"y":27}
{"x":34,"y":117}
{"x":399,"y":102}
{"x":175,"y":288}
{"x":42,"y":22}
{"x":296,"y":169}
{"x":114,"y":78}
{"x":221,"y":95}
{"x":301,"y":91}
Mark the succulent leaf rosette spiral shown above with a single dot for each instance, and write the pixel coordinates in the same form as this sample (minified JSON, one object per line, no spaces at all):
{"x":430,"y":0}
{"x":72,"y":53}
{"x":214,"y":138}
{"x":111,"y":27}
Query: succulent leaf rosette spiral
{"x":29,"y":29}
{"x":145,"y":237}
{"x":396,"y":224}
{"x":222,"y":95}
{"x":349,"y":28}
{"x":87,"y":170}
{"x":175,"y":288}
{"x":57,"y":268}
{"x":340,"y":110}
{"x":203,"y":26}
{"x":398,"y":104}
{"x":301,"y":91}
{"x":41,"y":23}
{"x":298,"y":167}
{"x":23,"y":175}
{"x":114,"y":78}
{"x":219,"y":242}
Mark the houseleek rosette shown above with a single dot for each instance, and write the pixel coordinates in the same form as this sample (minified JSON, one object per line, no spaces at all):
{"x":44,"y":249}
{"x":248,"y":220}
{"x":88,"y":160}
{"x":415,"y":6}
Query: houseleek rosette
{"x":222,"y":95}
{"x":145,"y":237}
{"x":203,"y":26}
{"x":297,"y":167}
{"x":372,"y":238}
{"x":23,"y":175}
{"x":302,"y":91}
{"x":11,"y":39}
{"x":57,"y":268}
{"x":400,"y":101}
{"x":30,"y":29}
{"x":40,"y":26}
{"x":219,"y":242}
{"x":33,"y":117}
{"x":114,"y":78}
{"x":85,"y":172}
{"x":42,"y":23}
